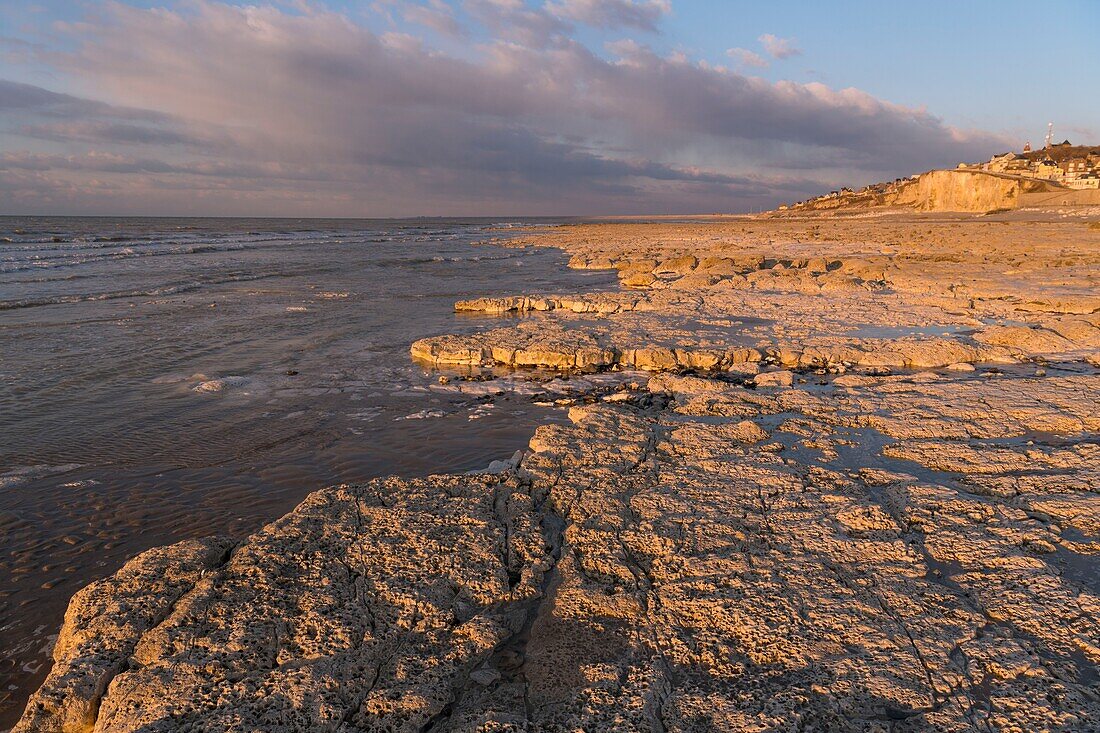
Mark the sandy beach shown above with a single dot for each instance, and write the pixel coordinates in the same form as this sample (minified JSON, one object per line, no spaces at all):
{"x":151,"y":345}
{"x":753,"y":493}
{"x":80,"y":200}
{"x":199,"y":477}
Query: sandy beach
{"x":828,"y":473}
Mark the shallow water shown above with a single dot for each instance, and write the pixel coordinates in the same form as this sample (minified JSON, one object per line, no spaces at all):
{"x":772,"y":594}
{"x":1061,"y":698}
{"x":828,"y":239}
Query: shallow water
{"x":171,"y":378}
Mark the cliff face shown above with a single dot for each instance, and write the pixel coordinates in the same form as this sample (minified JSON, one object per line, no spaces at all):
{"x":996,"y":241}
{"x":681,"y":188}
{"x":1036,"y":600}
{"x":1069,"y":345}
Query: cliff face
{"x":941,"y":190}
{"x":962,"y":190}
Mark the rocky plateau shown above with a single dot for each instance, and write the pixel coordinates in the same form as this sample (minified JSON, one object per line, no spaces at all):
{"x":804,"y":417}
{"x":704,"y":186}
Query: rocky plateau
{"x":857,"y":492}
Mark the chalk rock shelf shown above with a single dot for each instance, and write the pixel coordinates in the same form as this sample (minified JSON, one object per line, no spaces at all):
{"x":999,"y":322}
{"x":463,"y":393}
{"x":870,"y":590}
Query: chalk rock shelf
{"x":780,"y":304}
{"x":719,"y":559}
{"x":841,"y":549}
{"x":548,"y":346}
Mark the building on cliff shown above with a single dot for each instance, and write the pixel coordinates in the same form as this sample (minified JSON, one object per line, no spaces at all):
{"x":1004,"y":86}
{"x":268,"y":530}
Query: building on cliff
{"x":1047,"y":169}
{"x":1088,"y":180}
{"x":1058,"y":162}
{"x":1075,"y":167}
{"x":1058,"y":174}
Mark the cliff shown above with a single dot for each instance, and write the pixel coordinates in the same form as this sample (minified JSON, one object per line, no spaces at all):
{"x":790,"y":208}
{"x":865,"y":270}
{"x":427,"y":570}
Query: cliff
{"x":938,"y":190}
{"x":963,"y":190}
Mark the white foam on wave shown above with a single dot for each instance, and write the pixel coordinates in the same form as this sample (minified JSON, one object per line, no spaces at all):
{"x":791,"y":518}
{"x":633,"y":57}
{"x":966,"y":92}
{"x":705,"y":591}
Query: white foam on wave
{"x":22,"y":474}
{"x":82,"y":484}
{"x":422,"y":415}
{"x":481,"y":411}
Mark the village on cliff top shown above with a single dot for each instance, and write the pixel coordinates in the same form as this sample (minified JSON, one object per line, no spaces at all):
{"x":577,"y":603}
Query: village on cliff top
{"x":1057,"y":167}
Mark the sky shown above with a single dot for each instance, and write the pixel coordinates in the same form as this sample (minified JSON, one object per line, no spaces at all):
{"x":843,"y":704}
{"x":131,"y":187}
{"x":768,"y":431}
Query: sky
{"x":385,"y":108}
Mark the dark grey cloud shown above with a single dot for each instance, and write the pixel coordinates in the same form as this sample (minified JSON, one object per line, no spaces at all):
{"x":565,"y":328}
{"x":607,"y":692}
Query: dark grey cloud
{"x":16,"y":96}
{"x":307,"y":109}
{"x":31,"y":99}
{"x":102,"y":132}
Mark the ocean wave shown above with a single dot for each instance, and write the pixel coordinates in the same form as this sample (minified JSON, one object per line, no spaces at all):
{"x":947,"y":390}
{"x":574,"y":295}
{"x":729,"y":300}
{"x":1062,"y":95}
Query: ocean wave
{"x":47,"y":279}
{"x":29,"y":243}
{"x":76,"y":260}
{"x":56,"y":243}
{"x":136,"y":293}
{"x":411,"y":261}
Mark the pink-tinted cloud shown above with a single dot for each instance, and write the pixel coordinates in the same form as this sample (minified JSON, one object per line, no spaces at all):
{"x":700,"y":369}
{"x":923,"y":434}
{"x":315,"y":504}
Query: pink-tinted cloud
{"x":516,"y":22}
{"x":268,"y":107}
{"x":746,"y":57}
{"x":436,"y":15}
{"x":641,"y":14}
{"x":779,"y":48}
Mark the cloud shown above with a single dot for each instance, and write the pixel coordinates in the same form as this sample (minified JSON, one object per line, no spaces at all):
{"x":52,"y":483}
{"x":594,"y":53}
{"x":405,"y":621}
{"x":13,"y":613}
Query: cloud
{"x":311,"y":113}
{"x":17,"y":97}
{"x":515,"y":21}
{"x":747,"y":58}
{"x":640,"y":14}
{"x":92,"y":161}
{"x":779,"y":48}
{"x":109,"y":132}
{"x":436,"y":15}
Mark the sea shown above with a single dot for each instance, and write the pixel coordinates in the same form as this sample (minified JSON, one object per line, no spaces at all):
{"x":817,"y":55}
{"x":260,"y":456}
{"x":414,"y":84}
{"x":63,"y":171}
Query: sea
{"x":166,"y":378}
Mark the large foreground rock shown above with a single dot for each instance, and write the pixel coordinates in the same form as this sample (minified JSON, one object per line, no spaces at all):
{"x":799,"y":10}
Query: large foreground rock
{"x":708,"y":558}
{"x":794,"y":528}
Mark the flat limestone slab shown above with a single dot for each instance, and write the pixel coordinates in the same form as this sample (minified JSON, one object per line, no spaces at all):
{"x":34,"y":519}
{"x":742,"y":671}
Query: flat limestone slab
{"x":674,"y":566}
{"x":858,"y":494}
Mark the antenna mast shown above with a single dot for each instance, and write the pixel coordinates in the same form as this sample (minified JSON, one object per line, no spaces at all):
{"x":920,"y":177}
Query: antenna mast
{"x":1050,"y":133}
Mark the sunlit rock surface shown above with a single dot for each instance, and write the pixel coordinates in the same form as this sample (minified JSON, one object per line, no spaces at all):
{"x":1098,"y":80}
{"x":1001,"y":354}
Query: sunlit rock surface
{"x":860,"y":493}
